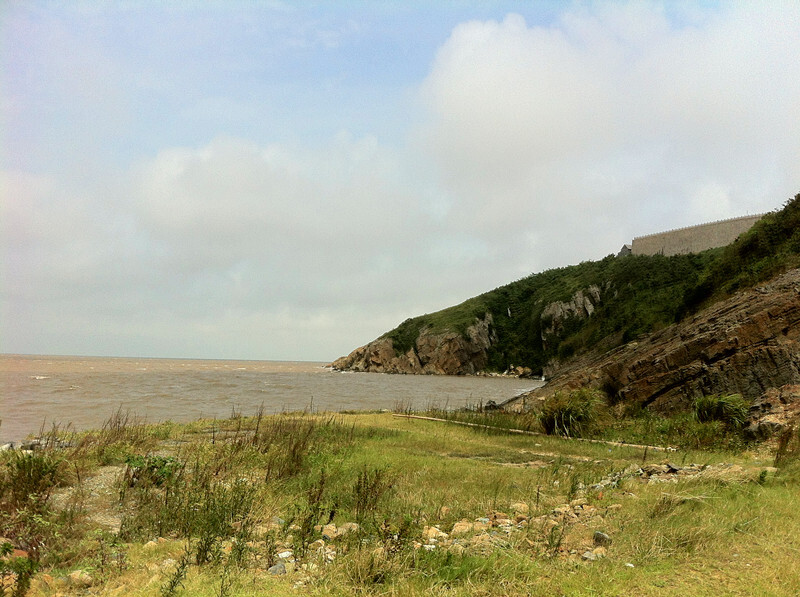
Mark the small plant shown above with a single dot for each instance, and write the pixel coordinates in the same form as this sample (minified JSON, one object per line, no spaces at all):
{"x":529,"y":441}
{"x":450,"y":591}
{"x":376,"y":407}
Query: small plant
{"x":175,"y":581}
{"x":15,"y":571}
{"x":570,"y":414}
{"x":155,"y":470}
{"x":730,"y":410}
{"x":308,"y":516}
{"x":29,"y":479}
{"x":369,"y":488}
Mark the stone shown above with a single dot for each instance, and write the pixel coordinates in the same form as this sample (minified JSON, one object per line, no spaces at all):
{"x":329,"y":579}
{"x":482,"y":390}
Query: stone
{"x":519,"y":508}
{"x":277,"y":569}
{"x":601,"y":538}
{"x":347,"y":527}
{"x":456,"y":549}
{"x":462,"y":527}
{"x":774,"y":411}
{"x":317,"y":545}
{"x":600,"y":552}
{"x":329,"y":532}
{"x":589,"y":556}
{"x":80,"y":579}
{"x":433,"y":532}
{"x":481,"y":524}
{"x":167,"y":564}
{"x":655,"y":469}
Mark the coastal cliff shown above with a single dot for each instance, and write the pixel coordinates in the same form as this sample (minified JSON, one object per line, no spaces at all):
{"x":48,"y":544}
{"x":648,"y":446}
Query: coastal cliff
{"x":446,"y":353}
{"x":747,"y":344}
{"x":733,"y":323}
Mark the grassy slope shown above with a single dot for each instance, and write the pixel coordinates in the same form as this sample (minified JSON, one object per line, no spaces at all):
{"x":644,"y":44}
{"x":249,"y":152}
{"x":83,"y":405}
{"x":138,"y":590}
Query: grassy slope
{"x":640,"y":295}
{"x":734,"y":534}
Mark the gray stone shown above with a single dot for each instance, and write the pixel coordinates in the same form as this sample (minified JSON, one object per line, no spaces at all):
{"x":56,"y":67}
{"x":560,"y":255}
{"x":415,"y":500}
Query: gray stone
{"x":589,"y":556}
{"x":277,"y":569}
{"x":600,"y":538}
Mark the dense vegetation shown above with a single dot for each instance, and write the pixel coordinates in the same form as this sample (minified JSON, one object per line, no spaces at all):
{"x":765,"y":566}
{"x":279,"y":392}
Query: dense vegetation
{"x":639,"y":294}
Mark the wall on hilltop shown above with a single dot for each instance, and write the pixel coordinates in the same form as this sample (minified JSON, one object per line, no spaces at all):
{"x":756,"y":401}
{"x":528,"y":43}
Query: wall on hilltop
{"x":693,"y":239}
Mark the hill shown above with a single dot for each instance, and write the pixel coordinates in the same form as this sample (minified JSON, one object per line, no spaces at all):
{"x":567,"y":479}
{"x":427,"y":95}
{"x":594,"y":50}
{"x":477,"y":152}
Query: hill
{"x":539,"y":323}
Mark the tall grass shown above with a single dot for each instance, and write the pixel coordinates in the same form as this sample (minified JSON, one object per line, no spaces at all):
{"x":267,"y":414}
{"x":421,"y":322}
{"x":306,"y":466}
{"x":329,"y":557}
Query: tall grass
{"x":570,"y":414}
{"x":730,"y":410}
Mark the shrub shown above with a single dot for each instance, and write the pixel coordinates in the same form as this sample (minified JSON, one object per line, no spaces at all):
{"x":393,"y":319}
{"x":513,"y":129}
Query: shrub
{"x":570,"y":414}
{"x":29,"y":479}
{"x":368,"y":490}
{"x":730,"y":410}
{"x":150,"y":469}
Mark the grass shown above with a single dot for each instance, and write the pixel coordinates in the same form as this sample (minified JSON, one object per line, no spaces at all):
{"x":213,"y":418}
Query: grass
{"x":206,"y":508}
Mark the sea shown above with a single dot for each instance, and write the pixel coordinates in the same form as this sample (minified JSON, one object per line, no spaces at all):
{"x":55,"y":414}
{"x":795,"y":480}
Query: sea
{"x":38,"y":392}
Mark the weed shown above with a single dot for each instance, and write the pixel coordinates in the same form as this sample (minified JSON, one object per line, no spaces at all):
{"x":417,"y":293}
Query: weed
{"x":175,"y":580}
{"x":309,"y":515}
{"x":29,"y":480}
{"x":570,"y":414}
{"x":369,"y":489}
{"x":731,"y":410}
{"x":16,"y":570}
{"x":554,"y":538}
{"x":156,"y":470}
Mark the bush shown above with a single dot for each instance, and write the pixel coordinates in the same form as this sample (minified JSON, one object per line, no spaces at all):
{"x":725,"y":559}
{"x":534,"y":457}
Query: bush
{"x":731,"y":410}
{"x":29,"y":479}
{"x":570,"y":414}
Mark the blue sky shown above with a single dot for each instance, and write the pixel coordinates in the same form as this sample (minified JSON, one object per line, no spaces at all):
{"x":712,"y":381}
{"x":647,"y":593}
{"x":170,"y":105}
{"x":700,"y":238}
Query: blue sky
{"x":288,"y":180}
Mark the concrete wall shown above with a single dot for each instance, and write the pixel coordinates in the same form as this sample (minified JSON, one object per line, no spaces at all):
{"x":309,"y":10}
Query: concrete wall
{"x":694,"y":238}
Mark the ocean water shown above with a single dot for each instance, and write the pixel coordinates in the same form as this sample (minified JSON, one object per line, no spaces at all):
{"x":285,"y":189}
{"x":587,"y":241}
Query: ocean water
{"x":37,"y":392}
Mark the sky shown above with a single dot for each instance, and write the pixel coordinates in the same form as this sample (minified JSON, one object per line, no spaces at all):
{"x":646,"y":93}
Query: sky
{"x":289,"y":180}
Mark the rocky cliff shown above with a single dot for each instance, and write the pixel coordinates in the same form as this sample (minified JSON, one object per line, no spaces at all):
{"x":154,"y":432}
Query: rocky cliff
{"x":747,"y":344}
{"x":445,"y":353}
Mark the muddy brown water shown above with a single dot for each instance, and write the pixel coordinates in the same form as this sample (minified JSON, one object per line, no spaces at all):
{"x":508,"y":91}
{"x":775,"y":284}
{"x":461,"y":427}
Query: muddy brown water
{"x":37,"y":392}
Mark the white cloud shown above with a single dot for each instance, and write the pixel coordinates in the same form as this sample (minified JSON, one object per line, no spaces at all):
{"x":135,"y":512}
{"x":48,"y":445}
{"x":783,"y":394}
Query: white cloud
{"x":613,"y":120}
{"x":540,"y":147}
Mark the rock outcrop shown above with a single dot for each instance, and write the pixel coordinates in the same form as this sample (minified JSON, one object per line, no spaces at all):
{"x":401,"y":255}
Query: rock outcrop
{"x":746,"y":344}
{"x":580,"y":306}
{"x":774,"y":411}
{"x":447,"y":353}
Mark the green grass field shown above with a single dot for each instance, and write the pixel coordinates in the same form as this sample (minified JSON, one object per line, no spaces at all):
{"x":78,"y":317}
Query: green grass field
{"x":380,"y":504}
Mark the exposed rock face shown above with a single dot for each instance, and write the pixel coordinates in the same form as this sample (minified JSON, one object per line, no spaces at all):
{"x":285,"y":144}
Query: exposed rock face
{"x":746,"y":344}
{"x":448,"y":353}
{"x":581,"y":306}
{"x":772,"y":412}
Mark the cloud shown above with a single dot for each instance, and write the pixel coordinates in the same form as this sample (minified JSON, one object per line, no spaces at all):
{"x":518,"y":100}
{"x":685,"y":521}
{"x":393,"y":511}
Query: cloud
{"x":208,"y":226}
{"x":247,"y":249}
{"x":621,"y":119}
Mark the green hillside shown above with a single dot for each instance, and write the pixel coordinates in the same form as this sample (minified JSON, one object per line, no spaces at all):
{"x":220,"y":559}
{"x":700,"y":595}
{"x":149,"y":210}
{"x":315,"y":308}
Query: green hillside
{"x":638,"y":295}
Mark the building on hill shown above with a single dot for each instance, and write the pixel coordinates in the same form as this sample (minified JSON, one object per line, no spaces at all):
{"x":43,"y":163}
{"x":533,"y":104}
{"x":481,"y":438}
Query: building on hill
{"x":693,"y":239}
